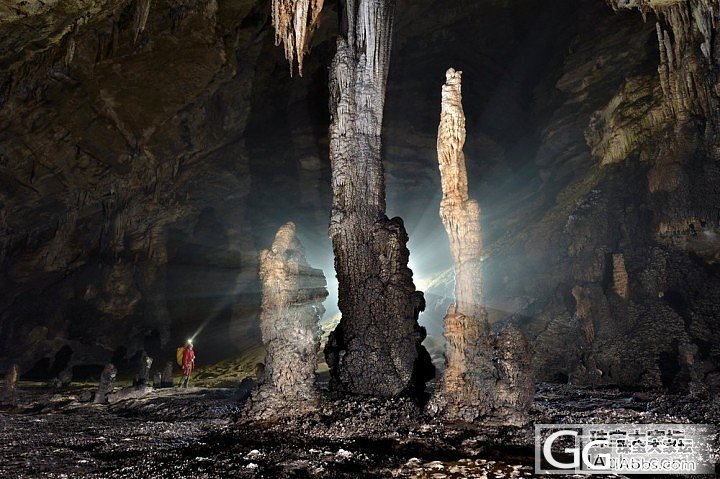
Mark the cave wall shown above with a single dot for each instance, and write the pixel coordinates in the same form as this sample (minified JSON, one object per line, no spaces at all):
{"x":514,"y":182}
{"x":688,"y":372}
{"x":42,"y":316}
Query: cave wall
{"x":144,"y":164}
{"x":125,"y":181}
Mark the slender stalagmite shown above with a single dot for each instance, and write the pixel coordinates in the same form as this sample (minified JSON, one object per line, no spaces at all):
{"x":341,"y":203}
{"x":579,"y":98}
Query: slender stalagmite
{"x":293,"y":293}
{"x":107,"y":383}
{"x":376,"y":349}
{"x":481,"y":379}
{"x":11,"y":379}
{"x":144,"y":373}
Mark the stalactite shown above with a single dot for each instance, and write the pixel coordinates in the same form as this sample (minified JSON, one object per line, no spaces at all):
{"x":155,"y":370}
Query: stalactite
{"x":377,"y":346}
{"x":142,"y":11}
{"x":684,"y":28}
{"x":485,"y":378}
{"x":293,"y":293}
{"x":70,"y":51}
{"x":294,"y":22}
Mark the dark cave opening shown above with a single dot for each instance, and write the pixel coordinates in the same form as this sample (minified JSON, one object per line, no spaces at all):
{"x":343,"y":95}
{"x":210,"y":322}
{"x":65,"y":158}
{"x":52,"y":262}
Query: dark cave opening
{"x":61,"y":360}
{"x":676,"y":300}
{"x":670,"y":367}
{"x":40,"y":371}
{"x":87,"y":372}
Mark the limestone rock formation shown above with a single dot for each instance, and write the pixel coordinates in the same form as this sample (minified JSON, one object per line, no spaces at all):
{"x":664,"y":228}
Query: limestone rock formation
{"x":620,"y":276}
{"x":293,"y":293}
{"x":376,"y":349}
{"x":167,"y":374}
{"x":140,"y":178}
{"x":295,"y":22}
{"x":107,"y":384}
{"x":484,"y":378}
{"x":144,"y":373}
{"x":685,"y":30}
{"x":142,"y":10}
{"x":125,"y":177}
{"x":9,"y":395}
{"x":63,"y":380}
{"x":515,"y":389}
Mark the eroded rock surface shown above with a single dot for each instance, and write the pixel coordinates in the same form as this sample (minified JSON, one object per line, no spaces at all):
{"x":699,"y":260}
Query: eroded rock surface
{"x":107,"y":384}
{"x":293,"y":293}
{"x":376,"y":348}
{"x":485,"y":378}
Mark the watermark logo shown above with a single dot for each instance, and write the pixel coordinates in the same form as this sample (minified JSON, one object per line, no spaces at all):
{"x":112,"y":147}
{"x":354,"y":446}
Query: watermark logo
{"x":624,"y":448}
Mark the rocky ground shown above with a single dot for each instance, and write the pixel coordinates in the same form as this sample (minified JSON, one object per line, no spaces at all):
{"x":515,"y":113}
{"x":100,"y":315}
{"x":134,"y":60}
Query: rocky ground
{"x":200,"y":433}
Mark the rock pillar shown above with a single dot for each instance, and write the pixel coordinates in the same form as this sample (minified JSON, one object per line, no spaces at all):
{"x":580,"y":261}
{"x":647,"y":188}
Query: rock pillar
{"x":11,"y":379}
{"x":486,"y":378}
{"x":144,"y":373}
{"x":293,"y":293}
{"x":107,"y":383}
{"x":376,"y":349}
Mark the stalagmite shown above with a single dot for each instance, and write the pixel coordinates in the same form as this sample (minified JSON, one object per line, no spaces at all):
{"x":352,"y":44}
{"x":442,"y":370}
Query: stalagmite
{"x":107,"y":383}
{"x":294,"y":22}
{"x":167,"y":375}
{"x":11,"y":379}
{"x":583,"y":311}
{"x":293,"y":293}
{"x":620,"y":276}
{"x":63,"y":380}
{"x":515,"y":389}
{"x":376,"y":349}
{"x":485,"y":378}
{"x":144,"y":373}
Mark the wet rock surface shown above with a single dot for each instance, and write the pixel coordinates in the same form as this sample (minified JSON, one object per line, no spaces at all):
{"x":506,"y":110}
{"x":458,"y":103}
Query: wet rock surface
{"x":194,"y":432}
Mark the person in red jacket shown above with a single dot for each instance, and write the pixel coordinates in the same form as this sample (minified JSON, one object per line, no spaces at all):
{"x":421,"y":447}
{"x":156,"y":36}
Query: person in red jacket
{"x":188,"y":364}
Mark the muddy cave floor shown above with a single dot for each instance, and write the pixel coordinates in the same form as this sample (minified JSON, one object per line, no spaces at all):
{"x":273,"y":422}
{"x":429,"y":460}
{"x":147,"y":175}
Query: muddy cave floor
{"x":198,"y":433}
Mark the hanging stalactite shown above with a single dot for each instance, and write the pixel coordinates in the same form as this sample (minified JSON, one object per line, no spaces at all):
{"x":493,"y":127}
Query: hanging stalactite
{"x":142,"y":11}
{"x":294,"y":22}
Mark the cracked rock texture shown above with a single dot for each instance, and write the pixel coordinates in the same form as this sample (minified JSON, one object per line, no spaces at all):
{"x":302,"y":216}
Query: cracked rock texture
{"x":377,"y":346}
{"x":293,"y":293}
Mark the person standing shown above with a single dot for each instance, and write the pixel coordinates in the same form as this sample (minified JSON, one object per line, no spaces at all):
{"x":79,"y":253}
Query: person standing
{"x":188,"y":364}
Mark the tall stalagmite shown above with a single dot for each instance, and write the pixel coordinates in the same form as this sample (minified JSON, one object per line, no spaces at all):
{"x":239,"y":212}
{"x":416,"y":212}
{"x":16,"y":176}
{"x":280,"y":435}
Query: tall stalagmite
{"x":376,"y":349}
{"x":293,"y":293}
{"x":485,"y":377}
